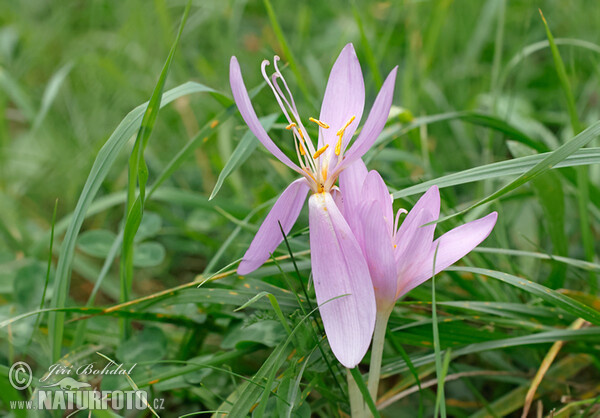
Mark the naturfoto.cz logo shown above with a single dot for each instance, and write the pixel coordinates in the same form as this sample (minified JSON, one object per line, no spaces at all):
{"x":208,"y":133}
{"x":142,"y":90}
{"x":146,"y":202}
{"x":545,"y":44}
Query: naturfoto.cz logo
{"x":69,"y":393}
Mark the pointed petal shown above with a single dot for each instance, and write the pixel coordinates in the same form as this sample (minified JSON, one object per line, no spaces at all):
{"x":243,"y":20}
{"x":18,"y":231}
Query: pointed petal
{"x":351,"y":182}
{"x":285,"y":210}
{"x":242,"y":100}
{"x":339,"y":268}
{"x":453,"y":246}
{"x":378,"y":249}
{"x":413,"y":248}
{"x":429,"y":201}
{"x":375,"y":121}
{"x":375,"y":190}
{"x":344,"y":97}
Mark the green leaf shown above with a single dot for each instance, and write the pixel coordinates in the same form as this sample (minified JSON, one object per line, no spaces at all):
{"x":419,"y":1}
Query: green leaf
{"x":149,"y":254}
{"x":148,"y":345}
{"x":96,"y":242}
{"x":29,"y":284}
{"x":149,"y":227}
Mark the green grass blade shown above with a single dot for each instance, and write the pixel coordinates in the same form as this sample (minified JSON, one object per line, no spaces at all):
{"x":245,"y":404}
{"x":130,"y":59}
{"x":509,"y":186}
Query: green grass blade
{"x":551,"y":296}
{"x":587,"y":334}
{"x":138,"y":171}
{"x":369,"y":55}
{"x":564,"y":79}
{"x":50,"y":93}
{"x":582,"y":172}
{"x":104,"y":160}
{"x":549,"y":190}
{"x":581,"y":264}
{"x":247,"y":145}
{"x":49,"y":266}
{"x":362,"y":387}
{"x":475,"y":118}
{"x":286,"y":49}
{"x":440,"y":403}
{"x":13,"y":89}
{"x":251,"y":392}
{"x":515,"y":166}
{"x":551,"y":160}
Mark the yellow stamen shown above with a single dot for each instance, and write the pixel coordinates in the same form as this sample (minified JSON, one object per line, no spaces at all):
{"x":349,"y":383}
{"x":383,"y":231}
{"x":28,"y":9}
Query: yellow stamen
{"x":320,"y":151}
{"x":301,"y":134}
{"x":301,"y":149}
{"x":290,"y":126}
{"x":214,"y":124}
{"x":324,"y":174}
{"x":338,"y":146}
{"x":341,"y":131}
{"x":318,"y":122}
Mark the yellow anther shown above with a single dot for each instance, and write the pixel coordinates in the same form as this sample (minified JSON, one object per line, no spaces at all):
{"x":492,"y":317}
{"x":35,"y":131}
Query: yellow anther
{"x":324,"y":174}
{"x":290,"y":126}
{"x":301,"y":149}
{"x":341,"y":131}
{"x":214,"y":124}
{"x":301,"y":134}
{"x":320,"y":151}
{"x":318,"y":122}
{"x":338,"y":146}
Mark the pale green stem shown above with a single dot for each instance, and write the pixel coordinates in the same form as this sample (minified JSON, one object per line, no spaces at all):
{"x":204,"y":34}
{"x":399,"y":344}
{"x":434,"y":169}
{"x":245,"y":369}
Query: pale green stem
{"x":357,"y":406}
{"x":381,"y":321}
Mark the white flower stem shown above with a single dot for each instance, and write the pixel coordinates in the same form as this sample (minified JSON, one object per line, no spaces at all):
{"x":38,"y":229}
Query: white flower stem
{"x":357,"y":405}
{"x":377,"y":351}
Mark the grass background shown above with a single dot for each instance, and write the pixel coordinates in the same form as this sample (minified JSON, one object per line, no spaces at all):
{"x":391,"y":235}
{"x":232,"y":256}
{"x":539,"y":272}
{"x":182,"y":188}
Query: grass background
{"x":478,"y":84}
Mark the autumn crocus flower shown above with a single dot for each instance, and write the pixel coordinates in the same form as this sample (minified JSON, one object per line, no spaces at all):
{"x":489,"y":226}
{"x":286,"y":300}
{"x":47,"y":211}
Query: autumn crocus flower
{"x":338,"y":266}
{"x":400,"y":257}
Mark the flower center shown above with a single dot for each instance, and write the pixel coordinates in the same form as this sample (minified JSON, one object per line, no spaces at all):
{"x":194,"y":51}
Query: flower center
{"x":313,"y":162}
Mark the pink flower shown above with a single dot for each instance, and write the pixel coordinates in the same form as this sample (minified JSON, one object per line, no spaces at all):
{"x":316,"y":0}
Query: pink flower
{"x":338,"y":265}
{"x":401,"y":257}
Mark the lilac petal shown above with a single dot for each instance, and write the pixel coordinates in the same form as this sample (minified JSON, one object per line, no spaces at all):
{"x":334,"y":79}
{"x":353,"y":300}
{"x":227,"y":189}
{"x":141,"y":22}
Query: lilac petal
{"x":413,"y":248}
{"x":429,"y":201}
{"x":344,"y":97}
{"x":336,"y":194}
{"x":351,"y":182}
{"x":339,"y":268}
{"x":284,"y":211}
{"x":375,"y":190}
{"x":242,"y":100}
{"x":375,"y":121}
{"x":453,"y":246}
{"x":379,"y":252}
